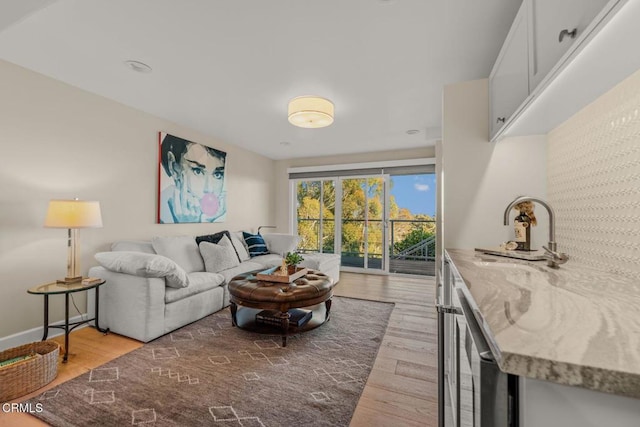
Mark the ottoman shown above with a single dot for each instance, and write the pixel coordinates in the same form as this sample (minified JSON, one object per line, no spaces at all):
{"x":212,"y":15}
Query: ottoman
{"x":247,"y":291}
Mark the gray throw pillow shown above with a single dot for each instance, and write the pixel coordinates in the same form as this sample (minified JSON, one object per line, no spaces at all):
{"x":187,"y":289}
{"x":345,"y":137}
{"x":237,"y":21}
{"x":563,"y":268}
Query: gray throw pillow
{"x":182,"y":249}
{"x":144,"y":265}
{"x":215,"y":238}
{"x":241,"y":249}
{"x":218,"y":257}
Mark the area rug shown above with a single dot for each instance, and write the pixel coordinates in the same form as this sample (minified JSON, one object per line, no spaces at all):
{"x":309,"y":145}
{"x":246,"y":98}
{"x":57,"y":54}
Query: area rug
{"x":211,"y":373}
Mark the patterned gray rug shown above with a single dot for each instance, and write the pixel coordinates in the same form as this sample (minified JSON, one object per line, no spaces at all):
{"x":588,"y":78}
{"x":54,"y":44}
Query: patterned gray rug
{"x":210,"y":373}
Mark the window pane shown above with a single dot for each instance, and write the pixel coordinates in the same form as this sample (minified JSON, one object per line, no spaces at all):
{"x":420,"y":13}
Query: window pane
{"x":328,"y":215}
{"x":308,"y":213}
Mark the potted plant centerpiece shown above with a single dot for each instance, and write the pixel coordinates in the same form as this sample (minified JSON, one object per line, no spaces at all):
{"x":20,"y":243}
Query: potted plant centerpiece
{"x":292,"y":259}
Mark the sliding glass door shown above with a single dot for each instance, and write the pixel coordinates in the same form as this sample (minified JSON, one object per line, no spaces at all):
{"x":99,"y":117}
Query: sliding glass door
{"x":383,"y":222}
{"x":358,"y":234}
{"x":362,"y":222}
{"x":412,"y":226}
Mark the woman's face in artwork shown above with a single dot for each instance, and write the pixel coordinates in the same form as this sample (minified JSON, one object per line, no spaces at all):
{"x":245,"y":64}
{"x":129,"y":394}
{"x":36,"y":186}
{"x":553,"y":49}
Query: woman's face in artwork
{"x":200,"y":178}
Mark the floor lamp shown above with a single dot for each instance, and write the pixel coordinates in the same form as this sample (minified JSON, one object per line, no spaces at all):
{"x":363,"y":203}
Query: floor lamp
{"x":73,"y":215}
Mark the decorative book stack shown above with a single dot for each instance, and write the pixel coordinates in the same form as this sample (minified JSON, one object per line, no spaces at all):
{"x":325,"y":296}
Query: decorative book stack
{"x":297,"y":317}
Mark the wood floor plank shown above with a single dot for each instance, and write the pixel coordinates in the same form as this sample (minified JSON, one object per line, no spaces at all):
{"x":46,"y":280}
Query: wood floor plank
{"x":403,"y":385}
{"x":374,"y":417}
{"x":416,"y":371}
{"x":398,"y":404}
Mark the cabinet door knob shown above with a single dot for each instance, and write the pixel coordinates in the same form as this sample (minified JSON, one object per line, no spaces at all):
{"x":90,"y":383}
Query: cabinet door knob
{"x":501,"y":120}
{"x":573,"y":33}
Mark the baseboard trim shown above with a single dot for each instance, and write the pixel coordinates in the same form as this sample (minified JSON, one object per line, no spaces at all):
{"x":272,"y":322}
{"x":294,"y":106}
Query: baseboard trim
{"x":35,"y":334}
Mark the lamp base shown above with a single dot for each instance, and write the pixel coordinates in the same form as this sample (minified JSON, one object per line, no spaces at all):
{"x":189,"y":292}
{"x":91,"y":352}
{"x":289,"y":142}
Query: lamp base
{"x":69,"y":280}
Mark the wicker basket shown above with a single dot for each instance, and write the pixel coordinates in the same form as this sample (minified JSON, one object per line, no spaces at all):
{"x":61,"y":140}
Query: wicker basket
{"x":26,"y":376}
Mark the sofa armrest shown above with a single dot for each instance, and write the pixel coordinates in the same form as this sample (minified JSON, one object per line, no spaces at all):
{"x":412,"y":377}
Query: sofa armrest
{"x":280,"y":243}
{"x":131,"y":305}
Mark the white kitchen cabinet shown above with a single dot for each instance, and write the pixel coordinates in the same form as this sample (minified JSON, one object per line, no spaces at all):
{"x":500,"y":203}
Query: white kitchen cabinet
{"x":509,"y":79}
{"x":544,"y":404}
{"x":555,"y":25}
{"x":587,"y":64}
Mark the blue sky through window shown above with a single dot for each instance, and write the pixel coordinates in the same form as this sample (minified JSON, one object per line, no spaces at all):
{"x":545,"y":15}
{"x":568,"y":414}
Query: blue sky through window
{"x":415,"y":192}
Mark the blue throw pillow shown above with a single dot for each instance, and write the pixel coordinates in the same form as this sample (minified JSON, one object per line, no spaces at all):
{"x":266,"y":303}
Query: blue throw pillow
{"x":255,"y":244}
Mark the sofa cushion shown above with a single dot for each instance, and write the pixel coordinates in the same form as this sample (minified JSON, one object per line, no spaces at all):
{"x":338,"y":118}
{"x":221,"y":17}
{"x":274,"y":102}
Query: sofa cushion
{"x":215,"y":238}
{"x":268,"y":260}
{"x":242,"y":268}
{"x":322,"y":262}
{"x":238,"y":243}
{"x":218,"y":257}
{"x":255,"y":244}
{"x":280,"y":243}
{"x":134,"y":246}
{"x":182,"y":249}
{"x":144,"y":265}
{"x":199,"y":281}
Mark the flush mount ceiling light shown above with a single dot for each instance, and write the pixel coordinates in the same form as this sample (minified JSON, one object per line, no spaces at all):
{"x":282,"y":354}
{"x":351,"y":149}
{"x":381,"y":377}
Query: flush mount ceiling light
{"x":138,"y":66}
{"x":310,"y":112}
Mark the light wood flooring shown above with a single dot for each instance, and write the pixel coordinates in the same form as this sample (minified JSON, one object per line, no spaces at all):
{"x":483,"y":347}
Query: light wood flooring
{"x":401,"y":389}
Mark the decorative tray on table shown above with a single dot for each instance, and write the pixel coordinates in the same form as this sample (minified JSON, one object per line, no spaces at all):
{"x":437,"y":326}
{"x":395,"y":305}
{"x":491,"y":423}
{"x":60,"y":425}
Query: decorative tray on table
{"x":274,"y":274}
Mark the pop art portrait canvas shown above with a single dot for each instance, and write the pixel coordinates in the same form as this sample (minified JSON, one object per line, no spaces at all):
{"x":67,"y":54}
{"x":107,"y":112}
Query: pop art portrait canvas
{"x":191,"y":182}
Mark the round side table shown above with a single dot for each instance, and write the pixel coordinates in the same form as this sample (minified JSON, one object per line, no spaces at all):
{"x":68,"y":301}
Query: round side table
{"x":55,"y":288}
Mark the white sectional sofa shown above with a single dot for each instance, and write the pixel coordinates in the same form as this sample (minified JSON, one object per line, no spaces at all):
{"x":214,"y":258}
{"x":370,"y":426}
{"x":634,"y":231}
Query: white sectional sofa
{"x":157,"y":286}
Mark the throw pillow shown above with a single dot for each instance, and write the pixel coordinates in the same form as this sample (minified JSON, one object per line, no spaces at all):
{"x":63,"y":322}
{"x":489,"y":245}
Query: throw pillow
{"x":215,"y":238}
{"x":212,"y":238}
{"x":144,"y":265}
{"x":255,"y":244}
{"x":218,"y":257}
{"x":182,"y":249}
{"x":239,"y":246}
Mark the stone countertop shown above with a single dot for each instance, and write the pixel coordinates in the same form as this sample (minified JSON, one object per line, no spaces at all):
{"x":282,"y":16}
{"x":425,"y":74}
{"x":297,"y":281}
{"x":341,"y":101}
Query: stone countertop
{"x":573,"y":325}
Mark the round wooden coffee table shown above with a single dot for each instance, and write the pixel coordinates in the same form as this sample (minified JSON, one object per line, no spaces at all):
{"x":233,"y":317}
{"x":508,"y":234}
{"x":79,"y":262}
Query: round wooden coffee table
{"x":311,"y":290}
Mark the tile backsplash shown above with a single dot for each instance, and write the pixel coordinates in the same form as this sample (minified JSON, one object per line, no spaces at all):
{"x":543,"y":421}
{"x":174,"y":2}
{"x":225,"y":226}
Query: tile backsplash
{"x":594,"y":181}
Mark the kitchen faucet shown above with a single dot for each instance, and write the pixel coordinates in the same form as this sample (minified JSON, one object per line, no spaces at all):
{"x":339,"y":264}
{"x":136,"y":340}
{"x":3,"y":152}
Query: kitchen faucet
{"x":554,"y":258}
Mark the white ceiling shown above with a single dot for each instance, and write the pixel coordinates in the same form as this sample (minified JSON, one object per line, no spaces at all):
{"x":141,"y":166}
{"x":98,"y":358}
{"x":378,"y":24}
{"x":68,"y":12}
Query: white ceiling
{"x":227,"y":68}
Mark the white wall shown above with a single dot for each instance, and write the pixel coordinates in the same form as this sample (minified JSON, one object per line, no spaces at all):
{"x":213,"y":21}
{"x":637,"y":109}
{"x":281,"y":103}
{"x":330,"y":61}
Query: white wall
{"x":283,"y":209}
{"x":58,"y":141}
{"x":481,"y":178}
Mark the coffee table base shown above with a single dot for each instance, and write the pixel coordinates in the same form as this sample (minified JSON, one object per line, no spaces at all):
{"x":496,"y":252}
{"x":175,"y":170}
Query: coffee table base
{"x":245,"y":319}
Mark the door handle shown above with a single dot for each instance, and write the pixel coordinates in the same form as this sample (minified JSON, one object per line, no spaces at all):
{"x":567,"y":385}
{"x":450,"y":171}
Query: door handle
{"x":487,"y":356}
{"x":448,"y":309}
{"x":566,"y":33}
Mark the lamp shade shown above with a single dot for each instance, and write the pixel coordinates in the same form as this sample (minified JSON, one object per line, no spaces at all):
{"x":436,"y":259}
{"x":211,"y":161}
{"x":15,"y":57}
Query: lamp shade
{"x":310,"y":112}
{"x":73,"y":214}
